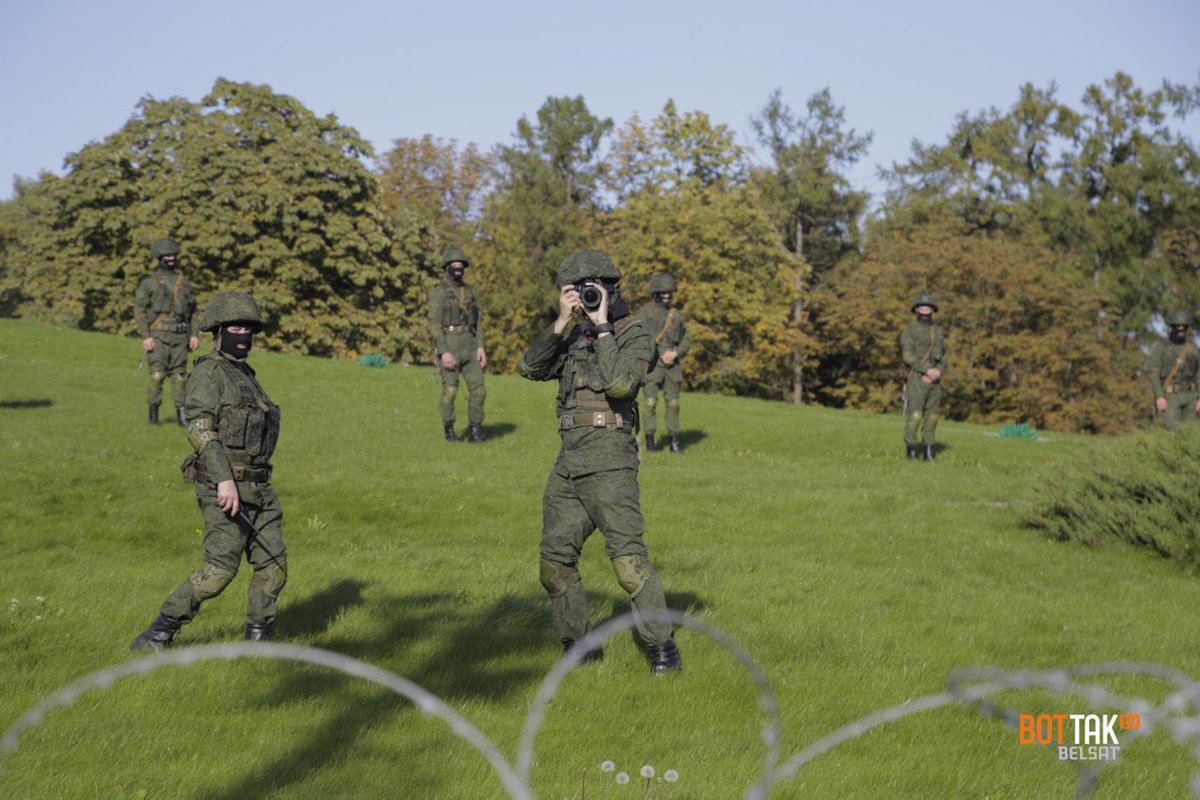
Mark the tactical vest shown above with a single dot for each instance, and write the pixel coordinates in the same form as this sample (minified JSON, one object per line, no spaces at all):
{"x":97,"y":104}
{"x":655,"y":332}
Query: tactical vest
{"x":165,"y":295}
{"x":458,"y":306}
{"x":929,"y":342}
{"x":580,"y":389}
{"x":249,"y":428}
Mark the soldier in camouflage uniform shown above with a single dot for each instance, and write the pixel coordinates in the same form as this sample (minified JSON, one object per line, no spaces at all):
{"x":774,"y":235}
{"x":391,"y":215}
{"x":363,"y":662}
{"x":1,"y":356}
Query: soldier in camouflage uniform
{"x":457,"y":329}
{"x":670,"y":335}
{"x":165,"y":309}
{"x":600,"y":365}
{"x":1172,"y":367}
{"x":923,"y":349}
{"x":233,"y":426}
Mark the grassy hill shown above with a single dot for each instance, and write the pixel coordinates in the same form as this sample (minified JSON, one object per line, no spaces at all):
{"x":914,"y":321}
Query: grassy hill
{"x":858,"y":580}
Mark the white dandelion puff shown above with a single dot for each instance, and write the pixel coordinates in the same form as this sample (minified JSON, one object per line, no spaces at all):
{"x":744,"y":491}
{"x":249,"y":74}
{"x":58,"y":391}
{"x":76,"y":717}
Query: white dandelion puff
{"x":671,"y":776}
{"x":607,"y":766}
{"x":647,"y":771}
{"x":622,"y":778}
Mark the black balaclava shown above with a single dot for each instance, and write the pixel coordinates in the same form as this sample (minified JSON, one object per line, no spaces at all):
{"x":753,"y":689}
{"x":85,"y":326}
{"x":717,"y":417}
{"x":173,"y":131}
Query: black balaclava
{"x":231,"y":344}
{"x":1177,"y":334}
{"x":171,"y":265}
{"x":663,"y":298}
{"x":456,"y":272}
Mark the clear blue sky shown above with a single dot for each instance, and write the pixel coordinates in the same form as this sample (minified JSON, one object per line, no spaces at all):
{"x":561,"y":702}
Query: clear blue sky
{"x":72,"y":71}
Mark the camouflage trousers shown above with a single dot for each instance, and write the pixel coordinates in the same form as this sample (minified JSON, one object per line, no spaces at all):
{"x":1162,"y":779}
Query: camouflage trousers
{"x":669,"y":379}
{"x":1181,"y":408}
{"x":924,"y":401}
{"x":225,"y":542}
{"x":572,"y":509}
{"x":169,"y":357}
{"x":468,"y":365}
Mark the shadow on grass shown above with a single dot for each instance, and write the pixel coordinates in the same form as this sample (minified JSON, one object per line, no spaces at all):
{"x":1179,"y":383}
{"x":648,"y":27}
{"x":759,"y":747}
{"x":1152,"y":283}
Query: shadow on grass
{"x":686,"y":439}
{"x":314,"y":615}
{"x":497,"y":429}
{"x":42,"y":402}
{"x":481,"y":656}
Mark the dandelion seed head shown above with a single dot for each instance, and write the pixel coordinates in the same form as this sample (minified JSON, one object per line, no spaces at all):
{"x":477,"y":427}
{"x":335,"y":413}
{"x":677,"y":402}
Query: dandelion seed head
{"x":671,"y":776}
{"x":647,"y":771}
{"x":607,"y":766}
{"x":622,"y":778}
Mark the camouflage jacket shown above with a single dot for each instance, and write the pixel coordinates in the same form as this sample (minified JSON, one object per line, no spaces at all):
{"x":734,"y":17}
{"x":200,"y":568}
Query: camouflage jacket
{"x":165,"y":303}
{"x":1161,"y":361}
{"x":922,"y":346}
{"x":667,"y":326}
{"x":602,"y":374}
{"x":453,"y":304}
{"x":231,"y":420}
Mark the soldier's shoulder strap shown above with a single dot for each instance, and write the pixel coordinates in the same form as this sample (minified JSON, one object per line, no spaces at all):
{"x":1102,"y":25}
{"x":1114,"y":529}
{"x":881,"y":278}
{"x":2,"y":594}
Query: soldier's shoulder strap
{"x":672,"y":315}
{"x":1187,"y":347}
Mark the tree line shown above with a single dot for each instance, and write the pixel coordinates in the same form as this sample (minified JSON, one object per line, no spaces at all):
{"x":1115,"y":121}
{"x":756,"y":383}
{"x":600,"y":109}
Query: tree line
{"x":1052,"y":235}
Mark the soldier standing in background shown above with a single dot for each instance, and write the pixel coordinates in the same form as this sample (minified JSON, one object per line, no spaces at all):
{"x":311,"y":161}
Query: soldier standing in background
{"x":233,"y":426}
{"x":165,"y":310}
{"x":1172,"y":367}
{"x":456,"y":327}
{"x":923,"y":349}
{"x":600,"y":365}
{"x":669,"y":329}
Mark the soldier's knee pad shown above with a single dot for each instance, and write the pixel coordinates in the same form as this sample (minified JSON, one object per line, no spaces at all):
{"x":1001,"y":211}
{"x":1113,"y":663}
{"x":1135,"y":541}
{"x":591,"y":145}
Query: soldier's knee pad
{"x":271,"y":578}
{"x":156,"y":378}
{"x":673,"y":404}
{"x":557,"y":578}
{"x":210,"y":580}
{"x":915,"y":417}
{"x":651,"y":403}
{"x":633,"y":573}
{"x":448,"y":393}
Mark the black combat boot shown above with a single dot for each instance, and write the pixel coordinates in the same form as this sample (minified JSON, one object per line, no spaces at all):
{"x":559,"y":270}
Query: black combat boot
{"x":930,"y":452}
{"x":665,"y":658}
{"x":154,"y":413}
{"x":590,"y":656}
{"x":474,"y":433}
{"x":181,"y":417}
{"x":675,"y":448}
{"x":914,"y":452}
{"x":650,"y":445}
{"x":449,"y":427}
{"x":161,"y":632}
{"x":260,"y":631}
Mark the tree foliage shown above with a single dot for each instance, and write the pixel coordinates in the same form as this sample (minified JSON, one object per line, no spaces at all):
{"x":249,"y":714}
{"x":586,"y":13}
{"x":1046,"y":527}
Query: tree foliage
{"x":1021,"y":329}
{"x":262,"y":194}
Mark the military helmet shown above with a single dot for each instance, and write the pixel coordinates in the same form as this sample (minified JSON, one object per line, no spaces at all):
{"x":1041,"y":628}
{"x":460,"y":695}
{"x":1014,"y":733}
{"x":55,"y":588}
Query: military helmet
{"x":924,"y":299}
{"x":164,"y":247}
{"x":587,"y":264}
{"x":662,"y":282}
{"x":225,"y":308}
{"x":1180,"y":316}
{"x":453,"y":254}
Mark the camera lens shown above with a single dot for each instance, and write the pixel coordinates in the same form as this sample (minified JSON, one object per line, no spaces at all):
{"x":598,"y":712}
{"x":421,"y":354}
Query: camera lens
{"x":591,"y":296}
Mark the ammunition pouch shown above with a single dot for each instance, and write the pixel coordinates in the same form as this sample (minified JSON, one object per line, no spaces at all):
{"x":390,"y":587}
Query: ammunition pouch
{"x":456,"y":329}
{"x":596,"y":419}
{"x":188,"y":468}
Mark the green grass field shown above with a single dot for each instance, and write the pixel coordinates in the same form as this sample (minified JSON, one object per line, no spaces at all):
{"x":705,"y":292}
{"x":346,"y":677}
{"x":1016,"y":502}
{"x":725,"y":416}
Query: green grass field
{"x":857,"y":579}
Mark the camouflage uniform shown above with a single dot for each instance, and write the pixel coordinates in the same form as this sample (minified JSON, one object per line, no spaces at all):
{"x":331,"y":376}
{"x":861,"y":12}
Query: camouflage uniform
{"x":669,"y":329}
{"x":456,"y":326}
{"x":593,"y":483}
{"x":922,"y":347}
{"x":233,"y":426}
{"x":165,"y":310}
{"x":1173,"y":367}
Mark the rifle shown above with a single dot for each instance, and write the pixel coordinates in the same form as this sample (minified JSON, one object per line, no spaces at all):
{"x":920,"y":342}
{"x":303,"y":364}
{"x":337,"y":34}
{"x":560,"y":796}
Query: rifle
{"x":141,"y":362}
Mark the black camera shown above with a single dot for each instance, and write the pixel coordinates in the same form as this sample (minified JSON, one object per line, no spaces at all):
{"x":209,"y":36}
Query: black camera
{"x":590,"y":294}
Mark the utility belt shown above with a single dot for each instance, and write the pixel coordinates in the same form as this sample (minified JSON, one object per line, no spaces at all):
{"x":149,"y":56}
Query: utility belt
{"x":1180,"y":388}
{"x":169,"y":327}
{"x":241,"y":472}
{"x":595,"y":419}
{"x":456,"y":329}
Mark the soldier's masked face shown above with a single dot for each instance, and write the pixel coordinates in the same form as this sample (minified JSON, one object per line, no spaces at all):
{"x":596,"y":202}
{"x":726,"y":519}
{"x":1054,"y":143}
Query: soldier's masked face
{"x":924,"y":313}
{"x":663,"y":298}
{"x":168,"y":261}
{"x":1178,"y":334}
{"x":456,"y":270}
{"x":235,"y":341}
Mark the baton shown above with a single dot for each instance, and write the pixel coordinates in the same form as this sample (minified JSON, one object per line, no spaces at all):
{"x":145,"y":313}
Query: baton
{"x":255,"y":533}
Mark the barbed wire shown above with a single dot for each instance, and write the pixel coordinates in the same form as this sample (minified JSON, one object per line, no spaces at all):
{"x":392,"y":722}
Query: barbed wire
{"x":1178,"y":713}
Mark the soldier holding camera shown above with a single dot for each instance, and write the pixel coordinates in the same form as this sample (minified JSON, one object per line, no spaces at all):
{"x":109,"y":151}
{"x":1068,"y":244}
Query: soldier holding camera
{"x":600,"y":364}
